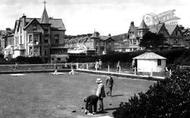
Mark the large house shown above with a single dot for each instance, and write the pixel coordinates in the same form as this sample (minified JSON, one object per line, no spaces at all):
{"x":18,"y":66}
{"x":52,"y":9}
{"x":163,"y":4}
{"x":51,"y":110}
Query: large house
{"x":130,"y":41}
{"x":38,"y":36}
{"x":89,"y":44}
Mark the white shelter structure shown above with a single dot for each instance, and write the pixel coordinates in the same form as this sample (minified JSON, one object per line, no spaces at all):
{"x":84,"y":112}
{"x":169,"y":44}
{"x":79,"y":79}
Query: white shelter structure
{"x":149,"y":62}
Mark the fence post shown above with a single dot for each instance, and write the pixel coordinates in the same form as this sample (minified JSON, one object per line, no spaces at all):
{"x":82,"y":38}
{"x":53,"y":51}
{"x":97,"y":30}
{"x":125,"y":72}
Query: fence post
{"x":119,"y":69}
{"x":65,"y":65}
{"x":77,"y":65}
{"x":87,"y":66}
{"x":108,"y":68}
{"x":151,"y":73}
{"x":135,"y":70}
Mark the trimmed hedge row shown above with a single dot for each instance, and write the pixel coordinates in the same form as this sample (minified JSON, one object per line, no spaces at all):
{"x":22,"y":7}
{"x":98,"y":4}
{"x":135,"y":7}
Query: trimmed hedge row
{"x":174,"y":56}
{"x":23,"y":60}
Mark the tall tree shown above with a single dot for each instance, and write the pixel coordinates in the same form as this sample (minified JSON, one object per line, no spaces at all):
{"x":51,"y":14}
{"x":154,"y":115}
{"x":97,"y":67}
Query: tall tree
{"x":152,"y":40}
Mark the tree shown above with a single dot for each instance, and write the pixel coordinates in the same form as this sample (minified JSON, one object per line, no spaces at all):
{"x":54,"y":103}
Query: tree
{"x":152,"y":40}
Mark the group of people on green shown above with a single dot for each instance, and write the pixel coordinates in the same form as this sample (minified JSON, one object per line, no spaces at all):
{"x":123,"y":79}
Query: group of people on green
{"x":94,"y":103}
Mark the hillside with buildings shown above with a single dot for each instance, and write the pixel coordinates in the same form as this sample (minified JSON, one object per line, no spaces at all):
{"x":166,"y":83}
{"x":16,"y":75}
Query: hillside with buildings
{"x":46,"y":38}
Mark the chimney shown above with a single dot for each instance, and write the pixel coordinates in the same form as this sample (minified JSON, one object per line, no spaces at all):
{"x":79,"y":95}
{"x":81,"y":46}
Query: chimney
{"x":24,"y":19}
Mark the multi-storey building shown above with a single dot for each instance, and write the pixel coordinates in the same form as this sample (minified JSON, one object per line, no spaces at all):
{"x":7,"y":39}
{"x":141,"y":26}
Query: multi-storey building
{"x":38,"y":36}
{"x":121,"y":42}
{"x":89,"y":44}
{"x":130,"y":41}
{"x":172,"y":32}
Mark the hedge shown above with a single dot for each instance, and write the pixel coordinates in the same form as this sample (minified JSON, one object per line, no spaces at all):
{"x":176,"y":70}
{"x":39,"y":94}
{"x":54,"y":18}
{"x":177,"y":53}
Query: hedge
{"x":165,"y":99}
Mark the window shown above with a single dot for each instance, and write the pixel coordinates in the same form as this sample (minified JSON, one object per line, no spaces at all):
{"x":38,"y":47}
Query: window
{"x":35,"y":38}
{"x":134,"y":42}
{"x":30,"y":38}
{"x":58,"y":59}
{"x":45,"y":31}
{"x":45,"y":40}
{"x":30,"y":51}
{"x":159,"y":62}
{"x":45,"y":52}
{"x":35,"y":27}
{"x":56,"y":38}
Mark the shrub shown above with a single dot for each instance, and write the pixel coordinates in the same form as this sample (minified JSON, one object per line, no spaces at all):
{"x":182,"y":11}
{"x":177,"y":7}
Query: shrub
{"x":166,"y":99}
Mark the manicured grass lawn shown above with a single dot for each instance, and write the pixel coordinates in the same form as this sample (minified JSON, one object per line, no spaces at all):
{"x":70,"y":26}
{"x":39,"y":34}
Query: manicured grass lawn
{"x":44,"y":95}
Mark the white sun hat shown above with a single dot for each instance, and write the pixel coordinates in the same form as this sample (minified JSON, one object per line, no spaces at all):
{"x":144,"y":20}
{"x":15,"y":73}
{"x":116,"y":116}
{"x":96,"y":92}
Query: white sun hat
{"x":98,"y":80}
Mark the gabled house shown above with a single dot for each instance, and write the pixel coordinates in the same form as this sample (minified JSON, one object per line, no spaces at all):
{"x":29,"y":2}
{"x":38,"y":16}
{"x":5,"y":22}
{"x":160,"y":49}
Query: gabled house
{"x":133,"y":38}
{"x":186,"y":37}
{"x":176,"y":36}
{"x":159,"y":29}
{"x":36,"y":36}
{"x":89,"y":44}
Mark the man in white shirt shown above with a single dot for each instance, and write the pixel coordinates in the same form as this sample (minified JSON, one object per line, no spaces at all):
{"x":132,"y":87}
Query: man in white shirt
{"x":100,"y":92}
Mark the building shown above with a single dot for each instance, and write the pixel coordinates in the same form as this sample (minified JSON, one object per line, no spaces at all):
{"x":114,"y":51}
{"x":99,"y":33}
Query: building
{"x":186,"y":37}
{"x":149,"y":62}
{"x":176,"y":39}
{"x":38,"y":36}
{"x":121,"y":42}
{"x":89,"y":44}
{"x":7,"y":42}
{"x":130,"y":41}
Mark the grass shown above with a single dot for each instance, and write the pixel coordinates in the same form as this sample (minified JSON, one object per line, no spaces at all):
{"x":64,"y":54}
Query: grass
{"x":44,"y":95}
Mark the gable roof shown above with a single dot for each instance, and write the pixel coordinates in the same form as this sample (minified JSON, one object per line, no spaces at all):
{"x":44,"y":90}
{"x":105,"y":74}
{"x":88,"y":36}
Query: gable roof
{"x":120,"y":37}
{"x":149,"y":55}
{"x":171,"y":28}
{"x":55,"y":23}
{"x":155,"y":28}
{"x":105,"y":38}
{"x":33,"y":20}
{"x":143,"y":25}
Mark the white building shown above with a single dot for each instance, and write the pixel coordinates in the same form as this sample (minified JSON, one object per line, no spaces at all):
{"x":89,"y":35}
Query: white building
{"x":150,"y":62}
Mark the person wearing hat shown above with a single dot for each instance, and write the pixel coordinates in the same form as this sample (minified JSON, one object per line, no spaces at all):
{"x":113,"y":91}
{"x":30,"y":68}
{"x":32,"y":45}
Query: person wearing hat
{"x":100,"y":92}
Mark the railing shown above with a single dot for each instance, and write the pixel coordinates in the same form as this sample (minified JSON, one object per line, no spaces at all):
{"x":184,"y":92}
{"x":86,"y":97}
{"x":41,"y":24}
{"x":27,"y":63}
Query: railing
{"x":69,"y":66}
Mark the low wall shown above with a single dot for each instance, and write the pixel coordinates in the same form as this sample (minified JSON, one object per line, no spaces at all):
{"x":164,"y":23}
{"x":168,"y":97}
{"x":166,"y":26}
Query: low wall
{"x":133,"y":76}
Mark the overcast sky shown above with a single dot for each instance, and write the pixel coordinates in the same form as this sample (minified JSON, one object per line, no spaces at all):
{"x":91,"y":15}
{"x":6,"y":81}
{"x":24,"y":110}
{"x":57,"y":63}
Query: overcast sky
{"x":85,"y":16}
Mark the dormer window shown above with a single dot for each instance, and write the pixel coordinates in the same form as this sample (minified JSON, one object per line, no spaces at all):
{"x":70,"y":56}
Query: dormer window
{"x":35,"y":27}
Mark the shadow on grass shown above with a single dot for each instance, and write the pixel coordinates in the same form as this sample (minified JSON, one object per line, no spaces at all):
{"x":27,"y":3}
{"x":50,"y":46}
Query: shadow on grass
{"x":117,"y":95}
{"x":114,"y":108}
{"x":102,"y":112}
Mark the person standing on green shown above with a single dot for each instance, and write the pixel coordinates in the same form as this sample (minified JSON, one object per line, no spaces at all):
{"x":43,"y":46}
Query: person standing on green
{"x":109,"y":85}
{"x":100,"y":92}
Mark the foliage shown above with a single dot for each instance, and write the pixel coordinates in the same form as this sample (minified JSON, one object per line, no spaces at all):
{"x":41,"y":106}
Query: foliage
{"x":27,"y":60}
{"x":166,"y":99}
{"x":174,"y":56}
{"x":152,"y":40}
{"x":2,"y":60}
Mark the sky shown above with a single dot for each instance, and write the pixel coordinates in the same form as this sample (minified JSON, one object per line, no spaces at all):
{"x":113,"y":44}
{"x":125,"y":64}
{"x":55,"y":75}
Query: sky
{"x":86,"y":16}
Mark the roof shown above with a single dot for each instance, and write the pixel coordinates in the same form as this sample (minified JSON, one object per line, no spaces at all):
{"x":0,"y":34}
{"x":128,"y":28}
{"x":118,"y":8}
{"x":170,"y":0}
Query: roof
{"x":55,"y":23}
{"x":45,"y":18}
{"x":120,"y":37}
{"x":170,"y":28}
{"x":33,"y":20}
{"x":155,"y":28}
{"x":143,"y":25}
{"x":149,"y":55}
{"x":104,"y":38}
